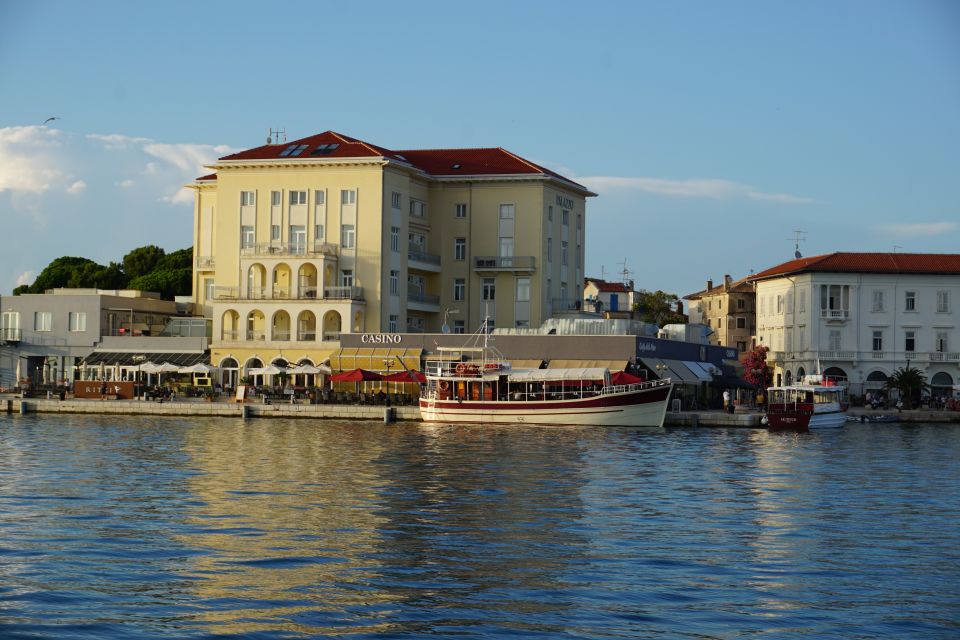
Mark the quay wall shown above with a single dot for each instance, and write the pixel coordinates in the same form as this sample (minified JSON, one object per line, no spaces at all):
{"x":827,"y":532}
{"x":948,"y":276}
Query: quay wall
{"x":12,"y":404}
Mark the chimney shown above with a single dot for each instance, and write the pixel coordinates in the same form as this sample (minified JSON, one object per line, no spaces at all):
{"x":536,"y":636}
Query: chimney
{"x":727,"y":280}
{"x":709,"y":284}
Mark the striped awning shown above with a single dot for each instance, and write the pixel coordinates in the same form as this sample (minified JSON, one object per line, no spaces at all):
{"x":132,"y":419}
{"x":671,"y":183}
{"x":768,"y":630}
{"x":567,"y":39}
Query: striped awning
{"x":375,"y":359}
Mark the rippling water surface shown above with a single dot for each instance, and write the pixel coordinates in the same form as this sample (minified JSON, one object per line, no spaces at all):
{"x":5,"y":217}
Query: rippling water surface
{"x":176,"y":528}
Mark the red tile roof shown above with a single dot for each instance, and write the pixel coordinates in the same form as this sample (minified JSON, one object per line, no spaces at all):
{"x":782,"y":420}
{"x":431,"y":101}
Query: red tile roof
{"x":612,"y":287}
{"x":436,"y":162}
{"x":210,"y":176}
{"x":840,"y":262}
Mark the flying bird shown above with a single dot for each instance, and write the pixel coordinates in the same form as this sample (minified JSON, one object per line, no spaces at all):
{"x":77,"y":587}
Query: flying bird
{"x":50,"y":120}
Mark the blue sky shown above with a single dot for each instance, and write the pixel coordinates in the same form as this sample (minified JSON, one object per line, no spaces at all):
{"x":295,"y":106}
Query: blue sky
{"x":710,"y":130}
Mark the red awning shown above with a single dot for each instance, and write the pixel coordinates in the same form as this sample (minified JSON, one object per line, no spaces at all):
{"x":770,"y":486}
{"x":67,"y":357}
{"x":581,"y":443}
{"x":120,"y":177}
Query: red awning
{"x":356,"y":375}
{"x":406,"y":376}
{"x":622,"y":377}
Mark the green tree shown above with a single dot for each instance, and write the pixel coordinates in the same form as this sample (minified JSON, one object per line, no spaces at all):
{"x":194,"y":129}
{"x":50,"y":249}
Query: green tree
{"x":168,"y":283}
{"x":909,"y":382}
{"x":658,"y":307}
{"x":59,"y":273}
{"x":142,"y":261}
{"x":182,"y":259}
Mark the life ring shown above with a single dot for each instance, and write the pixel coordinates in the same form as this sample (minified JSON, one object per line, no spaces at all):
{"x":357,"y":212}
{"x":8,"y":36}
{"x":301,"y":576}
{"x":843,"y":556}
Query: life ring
{"x":460,"y":368}
{"x":444,"y":385}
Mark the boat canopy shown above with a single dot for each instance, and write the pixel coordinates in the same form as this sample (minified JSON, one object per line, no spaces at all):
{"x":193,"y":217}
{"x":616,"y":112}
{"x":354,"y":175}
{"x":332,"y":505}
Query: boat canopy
{"x":546,"y":375}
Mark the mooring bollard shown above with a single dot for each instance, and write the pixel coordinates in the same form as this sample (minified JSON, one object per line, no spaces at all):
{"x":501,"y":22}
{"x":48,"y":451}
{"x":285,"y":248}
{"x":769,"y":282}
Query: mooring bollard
{"x":244,"y":411}
{"x":387,"y":415}
{"x":23,"y":408}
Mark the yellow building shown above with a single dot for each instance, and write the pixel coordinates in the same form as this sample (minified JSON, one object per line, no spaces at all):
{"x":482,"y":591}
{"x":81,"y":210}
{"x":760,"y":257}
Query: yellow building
{"x":296,"y":243}
{"x":729,"y":309}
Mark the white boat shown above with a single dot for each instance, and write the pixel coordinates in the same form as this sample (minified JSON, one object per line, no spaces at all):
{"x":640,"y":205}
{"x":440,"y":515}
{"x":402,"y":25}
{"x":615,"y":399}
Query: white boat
{"x":477,"y":385}
{"x":817,"y":403}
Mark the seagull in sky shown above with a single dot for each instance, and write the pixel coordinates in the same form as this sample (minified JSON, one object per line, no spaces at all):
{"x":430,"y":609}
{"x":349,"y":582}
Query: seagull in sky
{"x":49,"y":120}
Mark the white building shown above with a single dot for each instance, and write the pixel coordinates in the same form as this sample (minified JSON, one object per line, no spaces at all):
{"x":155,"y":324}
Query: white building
{"x":862,"y":316}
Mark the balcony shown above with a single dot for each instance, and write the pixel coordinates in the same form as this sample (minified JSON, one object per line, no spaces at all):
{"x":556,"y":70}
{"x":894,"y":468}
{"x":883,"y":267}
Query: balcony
{"x":331,"y":336}
{"x":230,"y":336}
{"x":419,"y":301}
{"x":566,"y":306}
{"x":835,"y":315}
{"x":943,"y":356}
{"x":256,"y":335}
{"x":8,"y":334}
{"x":505,"y":263}
{"x":306,"y":336}
{"x":419,"y":259}
{"x":343,"y":293}
{"x":281,"y":335}
{"x":324,"y":248}
{"x":837,"y":355}
{"x":206,"y":262}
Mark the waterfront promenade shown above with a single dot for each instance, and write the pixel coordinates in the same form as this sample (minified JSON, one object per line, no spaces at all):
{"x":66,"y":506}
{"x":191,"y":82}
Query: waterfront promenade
{"x":195,"y":407}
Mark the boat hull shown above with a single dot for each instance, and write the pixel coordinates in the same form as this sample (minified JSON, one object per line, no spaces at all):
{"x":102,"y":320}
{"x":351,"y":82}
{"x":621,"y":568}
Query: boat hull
{"x":640,"y":408}
{"x":805,"y":421}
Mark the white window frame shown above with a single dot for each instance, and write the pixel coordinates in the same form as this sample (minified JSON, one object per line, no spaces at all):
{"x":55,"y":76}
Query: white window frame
{"x":42,"y":321}
{"x":523,"y":289}
{"x":348,"y":236}
{"x":348,"y":196}
{"x":298,"y":197}
{"x":77,"y":321}
{"x":394,"y":283}
{"x":910,"y":301}
{"x":395,"y":200}
{"x":507,"y":212}
{"x":248,"y":198}
{"x":878,"y":301}
{"x":459,"y":289}
{"x":460,"y":249}
{"x":876,"y":340}
{"x":460,"y":210}
{"x":910,"y":341}
{"x":392,"y":324}
{"x":248,"y":237}
{"x":275,"y":198}
{"x":395,"y":239}
{"x":943,"y":302}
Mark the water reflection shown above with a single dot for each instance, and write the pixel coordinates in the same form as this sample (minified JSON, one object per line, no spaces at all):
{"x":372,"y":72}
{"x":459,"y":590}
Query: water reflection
{"x":189,"y":528}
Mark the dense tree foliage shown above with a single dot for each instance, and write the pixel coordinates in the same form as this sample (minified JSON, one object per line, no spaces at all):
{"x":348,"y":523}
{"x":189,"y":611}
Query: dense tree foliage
{"x":910,"y":383}
{"x":658,"y":307}
{"x":147,"y":268}
{"x":756,"y":370}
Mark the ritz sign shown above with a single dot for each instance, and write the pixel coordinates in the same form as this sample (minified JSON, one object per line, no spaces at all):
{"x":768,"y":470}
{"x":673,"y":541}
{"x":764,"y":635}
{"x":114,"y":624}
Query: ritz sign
{"x":563,"y":201}
{"x":380,"y":338}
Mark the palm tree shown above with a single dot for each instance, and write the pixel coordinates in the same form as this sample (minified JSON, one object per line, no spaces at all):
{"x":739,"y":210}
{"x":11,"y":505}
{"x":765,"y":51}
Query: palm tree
{"x":909,"y":383}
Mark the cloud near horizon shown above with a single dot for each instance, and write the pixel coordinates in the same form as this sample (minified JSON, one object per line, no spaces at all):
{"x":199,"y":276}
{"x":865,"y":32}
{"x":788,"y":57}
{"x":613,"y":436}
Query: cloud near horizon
{"x":710,"y":188}
{"x":919,"y":229}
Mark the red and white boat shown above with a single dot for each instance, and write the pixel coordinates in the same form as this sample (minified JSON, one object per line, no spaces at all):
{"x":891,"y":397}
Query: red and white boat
{"x":476,"y":385}
{"x":818,"y":403}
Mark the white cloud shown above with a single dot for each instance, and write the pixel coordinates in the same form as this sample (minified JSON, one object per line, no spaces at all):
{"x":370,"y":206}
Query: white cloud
{"x":117,"y":141}
{"x":77,"y":187}
{"x":29,"y":161}
{"x":125,"y":184}
{"x":919,"y":229}
{"x":27,"y":277}
{"x":711,"y":188}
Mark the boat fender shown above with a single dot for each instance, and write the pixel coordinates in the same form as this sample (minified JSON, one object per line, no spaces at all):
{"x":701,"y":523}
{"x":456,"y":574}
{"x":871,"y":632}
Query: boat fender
{"x":444,"y":385}
{"x":460,"y":368}
{"x":764,"y":420}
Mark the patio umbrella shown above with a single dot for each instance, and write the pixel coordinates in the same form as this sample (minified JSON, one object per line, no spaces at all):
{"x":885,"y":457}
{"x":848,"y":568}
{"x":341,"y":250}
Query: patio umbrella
{"x":19,"y":375}
{"x":622,"y":377}
{"x":200,"y":367}
{"x":166,"y":367}
{"x":357,"y":376}
{"x":406,"y":376}
{"x":310,"y":369}
{"x":116,"y":372}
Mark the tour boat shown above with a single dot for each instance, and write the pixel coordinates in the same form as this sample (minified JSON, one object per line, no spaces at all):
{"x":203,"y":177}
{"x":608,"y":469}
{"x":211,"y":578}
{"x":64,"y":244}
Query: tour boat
{"x":817,"y":403}
{"x":477,"y":385}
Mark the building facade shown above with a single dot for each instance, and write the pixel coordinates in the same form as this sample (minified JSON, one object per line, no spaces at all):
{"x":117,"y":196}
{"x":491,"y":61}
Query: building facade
{"x":299,"y":243}
{"x":45,"y":335}
{"x":729,"y":310}
{"x":862,"y":316}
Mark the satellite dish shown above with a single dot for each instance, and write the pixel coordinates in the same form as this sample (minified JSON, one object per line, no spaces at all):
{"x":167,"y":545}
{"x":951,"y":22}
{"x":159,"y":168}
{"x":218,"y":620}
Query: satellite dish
{"x":445,"y":328}
{"x":797,"y":255}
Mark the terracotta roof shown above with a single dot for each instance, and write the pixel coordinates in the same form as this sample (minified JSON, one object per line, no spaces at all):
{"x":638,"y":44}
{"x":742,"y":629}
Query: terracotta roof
{"x":611,"y":287}
{"x":841,"y":262}
{"x":743,"y":285}
{"x":210,"y":176}
{"x":437,"y":162}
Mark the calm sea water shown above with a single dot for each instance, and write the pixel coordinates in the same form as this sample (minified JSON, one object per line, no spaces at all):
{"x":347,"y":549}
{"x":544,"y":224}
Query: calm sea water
{"x":176,"y":528}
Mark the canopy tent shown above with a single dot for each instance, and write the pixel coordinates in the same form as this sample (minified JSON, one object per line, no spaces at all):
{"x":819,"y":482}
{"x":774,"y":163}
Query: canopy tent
{"x":375,"y":359}
{"x":269,"y":370}
{"x":149,"y":367}
{"x":559,"y":375}
{"x":612,"y":365}
{"x":168,"y":367}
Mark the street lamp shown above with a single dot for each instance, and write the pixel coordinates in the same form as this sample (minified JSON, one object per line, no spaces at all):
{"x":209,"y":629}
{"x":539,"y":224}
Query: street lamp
{"x":661,"y":370}
{"x":139,"y":360}
{"x":387,"y":363}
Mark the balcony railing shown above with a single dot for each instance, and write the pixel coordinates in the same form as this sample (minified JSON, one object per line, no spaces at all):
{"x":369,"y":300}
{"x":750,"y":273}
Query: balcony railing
{"x":230,"y":336}
{"x":331,"y":336}
{"x":856,"y":356}
{"x":308,"y":291}
{"x":325,"y":248}
{"x":943,"y":356}
{"x":343,"y":293}
{"x":416,"y":254}
{"x":307,"y":336}
{"x":281,"y":335}
{"x":274,"y":249}
{"x":281,"y":293}
{"x":837,"y":355}
{"x":423,"y":298}
{"x":504,"y":263}
{"x":834,"y":314}
{"x":9,"y":334}
{"x":256,"y":335}
{"x":566,"y":305}
{"x":206,"y":262}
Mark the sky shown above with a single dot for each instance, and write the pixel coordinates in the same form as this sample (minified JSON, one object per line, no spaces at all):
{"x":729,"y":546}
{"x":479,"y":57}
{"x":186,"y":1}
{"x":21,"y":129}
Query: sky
{"x":710,"y":131}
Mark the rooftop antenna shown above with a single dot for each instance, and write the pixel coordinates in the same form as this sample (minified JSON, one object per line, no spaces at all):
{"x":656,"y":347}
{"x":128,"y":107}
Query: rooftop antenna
{"x":603,"y":272}
{"x":276,"y":134}
{"x":626,"y":273}
{"x":797,"y":239}
{"x":895,"y":247}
